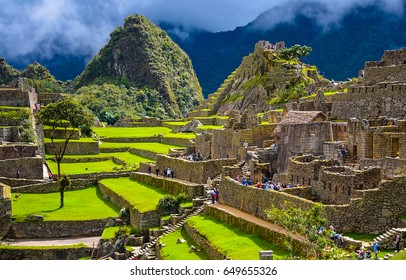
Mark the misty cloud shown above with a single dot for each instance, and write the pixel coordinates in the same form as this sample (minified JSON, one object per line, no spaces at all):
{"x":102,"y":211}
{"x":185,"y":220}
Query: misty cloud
{"x":49,"y":27}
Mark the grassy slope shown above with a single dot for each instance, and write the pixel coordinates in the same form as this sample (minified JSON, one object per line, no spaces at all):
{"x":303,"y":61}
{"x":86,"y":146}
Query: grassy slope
{"x":232,"y":241}
{"x":153,"y":147}
{"x":84,"y":167}
{"x":80,"y":205}
{"x":142,"y":196}
{"x":138,"y":132}
{"x":180,"y":251}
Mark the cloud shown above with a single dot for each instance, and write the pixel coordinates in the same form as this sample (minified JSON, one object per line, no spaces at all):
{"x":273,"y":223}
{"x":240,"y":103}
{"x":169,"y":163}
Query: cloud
{"x":45,"y":28}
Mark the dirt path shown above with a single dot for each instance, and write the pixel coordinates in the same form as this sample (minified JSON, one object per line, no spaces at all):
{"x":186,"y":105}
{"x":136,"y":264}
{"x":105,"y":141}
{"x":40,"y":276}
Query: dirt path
{"x":89,"y":241}
{"x":255,"y":220}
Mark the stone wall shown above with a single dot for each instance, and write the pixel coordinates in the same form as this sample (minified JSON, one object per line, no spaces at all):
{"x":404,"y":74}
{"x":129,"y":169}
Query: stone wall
{"x":193,"y":171}
{"x":58,"y":229}
{"x":331,"y":150}
{"x":29,"y":168}
{"x":5,"y":215}
{"x":50,"y":187}
{"x":304,"y":170}
{"x":144,"y":153}
{"x":370,"y":102}
{"x":169,"y":185}
{"x":311,"y":135}
{"x":275,"y":236}
{"x":75,"y":148}
{"x":20,"y":150}
{"x":373,"y":211}
{"x":13,"y":182}
{"x":211,"y":252}
{"x":47,"y":98}
{"x":9,"y":134}
{"x":16,"y":253}
{"x":137,"y":219}
{"x":61,"y":134}
{"x":255,"y":201}
{"x":182,"y":142}
{"x":14,"y":98}
{"x":337,"y":184}
{"x":377,"y":74}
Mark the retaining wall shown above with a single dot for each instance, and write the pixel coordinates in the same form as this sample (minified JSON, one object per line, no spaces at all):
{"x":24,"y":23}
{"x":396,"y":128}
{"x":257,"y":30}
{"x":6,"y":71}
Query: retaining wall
{"x":170,"y":186}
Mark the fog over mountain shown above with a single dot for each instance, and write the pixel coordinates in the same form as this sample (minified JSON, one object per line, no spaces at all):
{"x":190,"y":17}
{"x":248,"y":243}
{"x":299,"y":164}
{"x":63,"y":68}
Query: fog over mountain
{"x":67,"y":33}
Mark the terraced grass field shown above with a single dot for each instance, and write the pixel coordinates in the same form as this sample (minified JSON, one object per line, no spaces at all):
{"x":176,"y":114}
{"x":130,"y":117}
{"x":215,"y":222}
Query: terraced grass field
{"x":180,"y":251}
{"x":232,"y":241}
{"x":86,"y":204}
{"x":128,"y":157}
{"x":139,"y":132}
{"x":142,"y":196}
{"x":159,"y":148}
{"x":84,"y":167}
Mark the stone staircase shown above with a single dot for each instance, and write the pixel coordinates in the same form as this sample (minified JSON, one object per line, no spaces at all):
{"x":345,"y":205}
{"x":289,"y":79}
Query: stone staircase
{"x":210,"y":105}
{"x":148,"y":250}
{"x":385,"y":240}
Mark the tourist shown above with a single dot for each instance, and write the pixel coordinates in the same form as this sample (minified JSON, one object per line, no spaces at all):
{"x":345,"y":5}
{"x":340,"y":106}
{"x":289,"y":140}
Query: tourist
{"x":212,"y":195}
{"x":243,"y":181}
{"x":397,"y":241}
{"x":237,"y":178}
{"x":172,"y":173}
{"x":149,"y":169}
{"x":249,"y":182}
{"x":259,"y":185}
{"x":168,"y":172}
{"x":18,"y":174}
{"x":376,"y":249}
{"x":50,"y":175}
{"x":157,"y":171}
{"x":216,"y":195}
{"x":245,"y":144}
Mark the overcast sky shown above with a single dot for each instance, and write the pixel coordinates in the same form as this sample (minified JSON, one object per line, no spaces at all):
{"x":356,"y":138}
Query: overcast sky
{"x":83,"y":26}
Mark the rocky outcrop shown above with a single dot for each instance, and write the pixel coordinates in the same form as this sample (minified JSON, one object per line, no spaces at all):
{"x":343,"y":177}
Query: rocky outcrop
{"x":190,"y":126}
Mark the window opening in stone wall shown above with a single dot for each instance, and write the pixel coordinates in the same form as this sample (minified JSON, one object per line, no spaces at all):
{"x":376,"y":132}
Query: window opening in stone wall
{"x":395,"y":147}
{"x":329,"y":186}
{"x":336,"y":189}
{"x":309,"y":182}
{"x":349,"y":190}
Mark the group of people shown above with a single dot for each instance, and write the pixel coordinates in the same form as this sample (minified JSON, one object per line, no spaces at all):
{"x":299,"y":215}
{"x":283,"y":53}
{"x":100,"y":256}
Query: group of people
{"x":266,"y":183}
{"x":192,"y":157}
{"x":214,"y":195}
{"x":168,"y":172}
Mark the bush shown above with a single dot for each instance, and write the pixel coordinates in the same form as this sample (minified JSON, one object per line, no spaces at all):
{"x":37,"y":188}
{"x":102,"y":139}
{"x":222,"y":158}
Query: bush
{"x":168,"y":205}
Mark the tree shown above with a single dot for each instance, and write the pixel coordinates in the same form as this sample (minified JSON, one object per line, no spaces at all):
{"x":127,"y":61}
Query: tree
{"x":312,"y":226}
{"x":295,"y":52}
{"x":68,"y":116}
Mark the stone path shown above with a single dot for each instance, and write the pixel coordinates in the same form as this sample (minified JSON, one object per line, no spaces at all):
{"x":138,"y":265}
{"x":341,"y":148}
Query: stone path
{"x":255,"y":220}
{"x":89,"y":241}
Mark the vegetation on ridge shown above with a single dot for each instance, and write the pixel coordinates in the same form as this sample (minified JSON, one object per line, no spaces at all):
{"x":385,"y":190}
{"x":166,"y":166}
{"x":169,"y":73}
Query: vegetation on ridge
{"x":146,"y":72}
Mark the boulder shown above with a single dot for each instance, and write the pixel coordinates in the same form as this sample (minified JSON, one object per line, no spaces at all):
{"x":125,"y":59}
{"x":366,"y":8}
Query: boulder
{"x":34,"y":218}
{"x":190,"y":126}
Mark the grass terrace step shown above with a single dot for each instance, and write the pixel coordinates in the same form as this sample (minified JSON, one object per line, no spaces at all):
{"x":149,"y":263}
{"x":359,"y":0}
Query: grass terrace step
{"x":86,"y":204}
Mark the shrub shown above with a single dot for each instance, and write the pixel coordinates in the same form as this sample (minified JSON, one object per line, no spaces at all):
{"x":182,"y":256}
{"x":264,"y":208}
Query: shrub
{"x":168,"y":205}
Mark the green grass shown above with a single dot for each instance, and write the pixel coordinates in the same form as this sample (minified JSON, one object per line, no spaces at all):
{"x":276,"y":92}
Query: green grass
{"x":139,"y":132}
{"x":140,"y":195}
{"x":210,"y":127}
{"x":399,"y":256}
{"x":111,"y":232}
{"x":84,"y":167}
{"x":176,"y":123}
{"x":174,"y":251}
{"x":124,"y":156}
{"x":188,"y":204}
{"x":158,"y":148}
{"x":86,"y":204}
{"x":232,"y":241}
{"x":361,"y":236}
{"x":48,"y":140}
{"x":402,"y":216}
